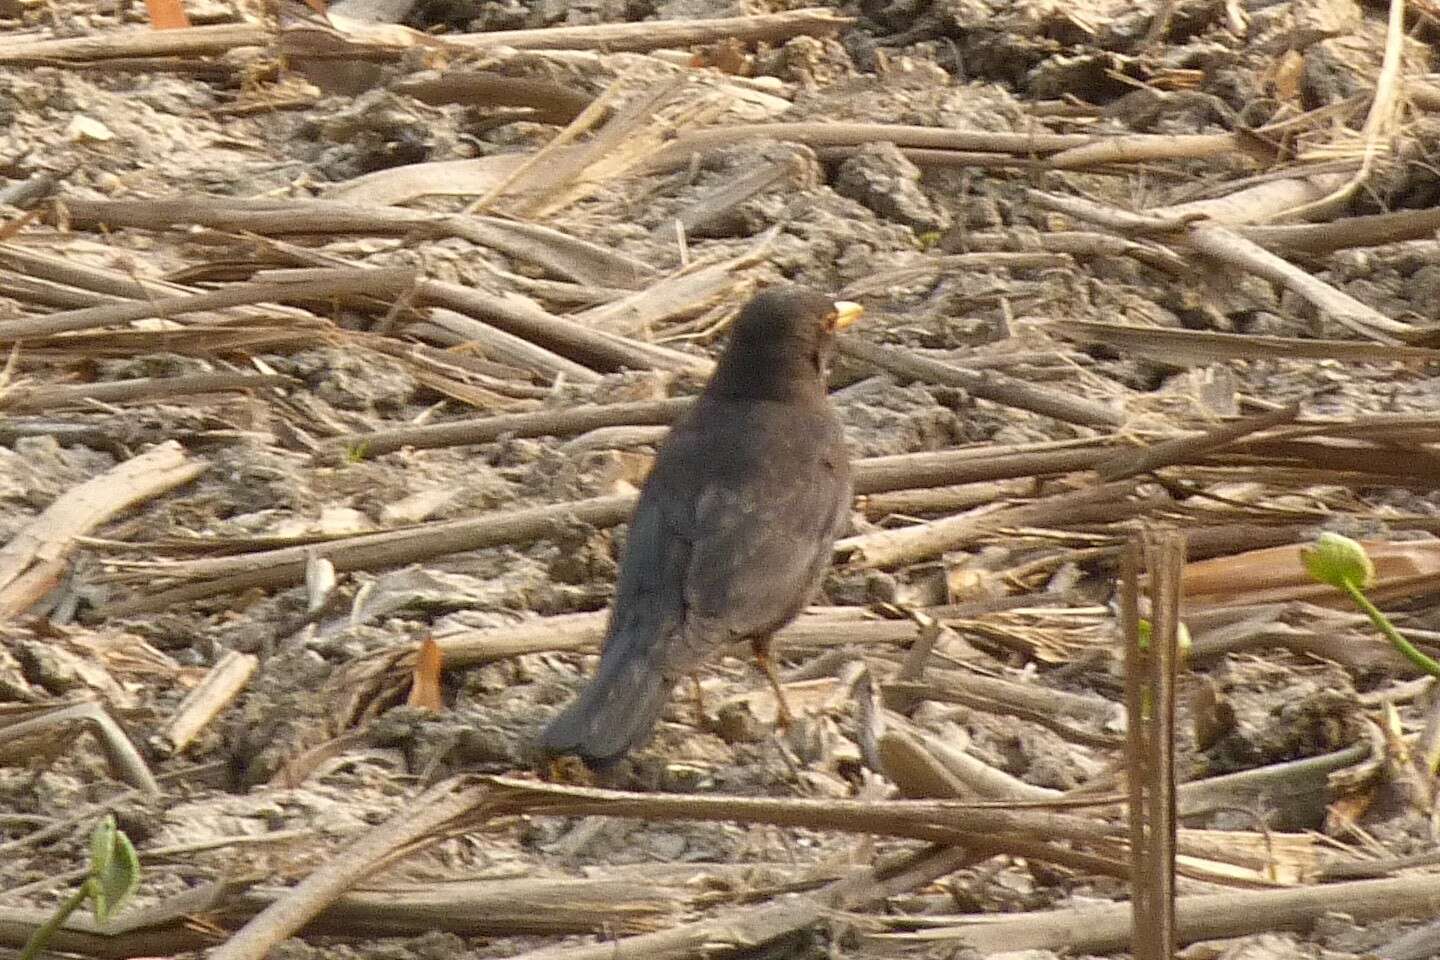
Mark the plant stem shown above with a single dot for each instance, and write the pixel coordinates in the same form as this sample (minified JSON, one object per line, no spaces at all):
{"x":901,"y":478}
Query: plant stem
{"x":1382,"y":623}
{"x":45,"y":931}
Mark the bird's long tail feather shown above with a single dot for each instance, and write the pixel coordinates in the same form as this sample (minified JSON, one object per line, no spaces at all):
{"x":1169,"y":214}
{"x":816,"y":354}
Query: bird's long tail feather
{"x":615,"y":713}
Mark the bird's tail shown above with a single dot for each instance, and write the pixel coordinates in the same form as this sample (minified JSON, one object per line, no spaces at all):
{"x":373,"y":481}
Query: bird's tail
{"x":615,"y":713}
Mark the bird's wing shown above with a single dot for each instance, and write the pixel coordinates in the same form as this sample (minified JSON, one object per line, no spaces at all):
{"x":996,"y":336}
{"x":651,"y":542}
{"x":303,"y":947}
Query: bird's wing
{"x":730,"y":537}
{"x":649,"y":600}
{"x":762,"y":539}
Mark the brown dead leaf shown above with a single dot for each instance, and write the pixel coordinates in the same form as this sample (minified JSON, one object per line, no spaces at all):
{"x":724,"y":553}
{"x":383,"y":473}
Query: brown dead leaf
{"x":1346,"y":811}
{"x":425,"y":683}
{"x":727,"y":56}
{"x":1286,"y":76}
{"x":166,"y":14}
{"x":8,"y":230}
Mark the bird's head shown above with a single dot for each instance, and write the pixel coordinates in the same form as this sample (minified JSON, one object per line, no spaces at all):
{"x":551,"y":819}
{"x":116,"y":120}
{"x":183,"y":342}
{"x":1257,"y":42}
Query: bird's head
{"x":781,"y":344}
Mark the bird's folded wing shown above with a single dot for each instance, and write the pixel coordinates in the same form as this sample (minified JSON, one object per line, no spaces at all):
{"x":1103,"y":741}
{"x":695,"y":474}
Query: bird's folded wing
{"x":761,"y":547}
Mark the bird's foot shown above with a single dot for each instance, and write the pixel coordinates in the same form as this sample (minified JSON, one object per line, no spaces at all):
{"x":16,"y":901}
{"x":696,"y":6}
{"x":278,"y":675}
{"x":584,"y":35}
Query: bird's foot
{"x":568,"y":770}
{"x":784,"y":719}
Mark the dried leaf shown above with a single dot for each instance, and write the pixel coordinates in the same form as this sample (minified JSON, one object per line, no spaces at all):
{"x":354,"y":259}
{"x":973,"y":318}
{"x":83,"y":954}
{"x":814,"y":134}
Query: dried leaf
{"x":1287,"y":76}
{"x":1346,"y":811}
{"x":425,"y":683}
{"x":12,"y":228}
{"x":166,"y":14}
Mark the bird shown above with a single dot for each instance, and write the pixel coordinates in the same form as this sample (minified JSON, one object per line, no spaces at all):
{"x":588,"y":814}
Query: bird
{"x":733,"y":529}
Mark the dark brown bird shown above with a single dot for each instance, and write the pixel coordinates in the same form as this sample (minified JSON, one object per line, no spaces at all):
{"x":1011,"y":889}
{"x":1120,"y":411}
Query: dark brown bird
{"x":734,"y":527}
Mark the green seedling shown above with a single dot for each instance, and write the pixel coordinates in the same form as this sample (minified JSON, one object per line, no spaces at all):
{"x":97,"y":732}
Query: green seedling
{"x":928,"y":239}
{"x":1182,"y":637}
{"x":114,"y":874}
{"x":1182,"y":647}
{"x":1342,"y":563}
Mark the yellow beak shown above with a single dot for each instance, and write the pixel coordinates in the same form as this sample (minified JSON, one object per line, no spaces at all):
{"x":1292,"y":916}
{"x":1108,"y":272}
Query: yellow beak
{"x":846,"y":313}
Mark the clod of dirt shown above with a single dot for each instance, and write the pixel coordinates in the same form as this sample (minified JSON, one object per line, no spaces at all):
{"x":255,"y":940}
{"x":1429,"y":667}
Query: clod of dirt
{"x":42,"y":470}
{"x":828,"y":241}
{"x":808,"y":61}
{"x":1090,"y":76}
{"x":708,"y":207}
{"x":1265,"y":946}
{"x":882,"y":418}
{"x":438,"y":745}
{"x":697,"y":9}
{"x":880,"y":177}
{"x":1318,"y":714}
{"x":1186,"y":111}
{"x":375,"y":131}
{"x":55,"y":669}
{"x":279,"y":718}
{"x":13,"y":684}
{"x":735,"y":723}
{"x":1320,"y":722}
{"x":349,"y":381}
{"x":1327,"y":79}
{"x":430,"y":946}
{"x":583,"y":555}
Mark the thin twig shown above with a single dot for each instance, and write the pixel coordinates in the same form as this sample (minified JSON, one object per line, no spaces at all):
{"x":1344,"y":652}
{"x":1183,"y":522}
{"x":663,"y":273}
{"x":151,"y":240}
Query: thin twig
{"x":1107,"y":929}
{"x":1150,"y":705}
{"x":222,"y":684}
{"x":287,"y":916}
{"x":34,"y":557}
{"x":655,"y":34}
{"x":387,"y":283}
{"x":148,"y":389}
{"x":541,"y":423}
{"x":1381,"y":120}
{"x":1187,"y":449}
{"x":986,"y":385}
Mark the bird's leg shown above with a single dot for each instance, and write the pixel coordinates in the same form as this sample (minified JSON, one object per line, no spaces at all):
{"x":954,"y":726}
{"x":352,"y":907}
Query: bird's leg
{"x":762,"y":655}
{"x":701,"y":722}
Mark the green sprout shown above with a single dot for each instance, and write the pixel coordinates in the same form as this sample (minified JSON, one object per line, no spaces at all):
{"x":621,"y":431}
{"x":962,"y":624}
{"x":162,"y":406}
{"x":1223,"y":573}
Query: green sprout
{"x":1342,"y":563}
{"x":928,"y":239}
{"x":1182,"y":637}
{"x":1182,"y":648}
{"x":112,"y":878}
